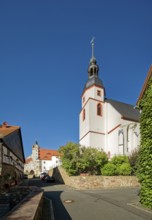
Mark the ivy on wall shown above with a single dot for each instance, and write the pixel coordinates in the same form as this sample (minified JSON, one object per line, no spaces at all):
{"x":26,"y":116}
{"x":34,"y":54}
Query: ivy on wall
{"x":144,"y":164}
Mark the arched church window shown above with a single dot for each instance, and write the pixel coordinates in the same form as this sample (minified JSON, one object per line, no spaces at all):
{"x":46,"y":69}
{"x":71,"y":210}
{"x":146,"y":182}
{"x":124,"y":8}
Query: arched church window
{"x":83,"y":116}
{"x":99,"y":109}
{"x":120,"y":137}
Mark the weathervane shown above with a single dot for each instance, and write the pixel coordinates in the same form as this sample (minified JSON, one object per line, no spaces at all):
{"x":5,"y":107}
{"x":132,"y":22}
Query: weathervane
{"x":92,"y":42}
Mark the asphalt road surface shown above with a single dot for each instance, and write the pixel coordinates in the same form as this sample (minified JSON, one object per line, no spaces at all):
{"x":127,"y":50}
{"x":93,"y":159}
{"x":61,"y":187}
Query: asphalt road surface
{"x":110,"y":204}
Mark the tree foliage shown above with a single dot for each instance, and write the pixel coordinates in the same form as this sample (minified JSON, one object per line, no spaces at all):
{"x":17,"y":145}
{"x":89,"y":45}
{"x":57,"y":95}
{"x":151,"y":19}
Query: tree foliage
{"x":144,"y":163}
{"x":92,"y":160}
{"x":76,"y":159}
{"x":70,"y":154}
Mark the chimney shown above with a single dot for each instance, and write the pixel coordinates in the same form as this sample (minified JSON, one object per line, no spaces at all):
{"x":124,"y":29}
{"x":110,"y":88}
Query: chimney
{"x":5,"y":125}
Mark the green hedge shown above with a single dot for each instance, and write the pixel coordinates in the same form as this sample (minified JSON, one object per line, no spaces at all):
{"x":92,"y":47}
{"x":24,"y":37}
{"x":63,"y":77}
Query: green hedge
{"x":119,"y":165}
{"x":144,"y":163}
{"x":109,"y":170}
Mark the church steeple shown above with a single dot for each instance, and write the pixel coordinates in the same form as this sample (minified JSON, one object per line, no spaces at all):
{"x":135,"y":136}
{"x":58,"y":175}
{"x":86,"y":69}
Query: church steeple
{"x":93,"y":68}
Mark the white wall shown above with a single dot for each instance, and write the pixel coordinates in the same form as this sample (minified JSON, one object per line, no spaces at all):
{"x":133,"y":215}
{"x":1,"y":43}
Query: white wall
{"x":92,"y":121}
{"x":92,"y":93}
{"x":46,"y":165}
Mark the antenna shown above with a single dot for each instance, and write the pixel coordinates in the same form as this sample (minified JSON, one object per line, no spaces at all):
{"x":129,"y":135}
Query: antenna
{"x":92,"y":42}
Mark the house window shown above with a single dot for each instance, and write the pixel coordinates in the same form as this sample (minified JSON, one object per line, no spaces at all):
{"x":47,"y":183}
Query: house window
{"x":83,"y":115}
{"x":98,"y":93}
{"x":99,"y":109}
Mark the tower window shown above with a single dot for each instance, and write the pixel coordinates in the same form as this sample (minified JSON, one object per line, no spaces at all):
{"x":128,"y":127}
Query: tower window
{"x":91,"y":72}
{"x":98,"y":92}
{"x":99,"y":109}
{"x":83,"y":116}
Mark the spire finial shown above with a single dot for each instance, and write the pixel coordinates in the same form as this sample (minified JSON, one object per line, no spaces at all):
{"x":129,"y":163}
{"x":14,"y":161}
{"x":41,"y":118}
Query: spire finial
{"x":92,"y":42}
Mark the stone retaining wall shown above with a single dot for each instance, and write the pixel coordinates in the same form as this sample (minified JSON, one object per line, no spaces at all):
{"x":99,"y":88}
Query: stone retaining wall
{"x":29,"y":208}
{"x":94,"y":182}
{"x":13,"y":172}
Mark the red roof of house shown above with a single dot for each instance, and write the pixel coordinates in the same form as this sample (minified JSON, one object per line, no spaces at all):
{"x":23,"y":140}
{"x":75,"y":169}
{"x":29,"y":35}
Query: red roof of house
{"x":6,"y":129}
{"x":45,"y":154}
{"x":28,"y":160}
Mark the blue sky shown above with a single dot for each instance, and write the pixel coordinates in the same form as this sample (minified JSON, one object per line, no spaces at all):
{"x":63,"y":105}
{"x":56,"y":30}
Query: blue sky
{"x":44,"y":55}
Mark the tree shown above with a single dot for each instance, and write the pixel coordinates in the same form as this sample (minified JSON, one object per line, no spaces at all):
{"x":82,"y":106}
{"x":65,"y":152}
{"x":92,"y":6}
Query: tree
{"x":70,"y":155}
{"x":144,"y":163}
{"x":77,"y":159}
{"x":92,"y":160}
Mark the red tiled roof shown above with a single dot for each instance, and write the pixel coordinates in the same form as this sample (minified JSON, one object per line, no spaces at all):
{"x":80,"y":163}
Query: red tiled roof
{"x":6,"y":129}
{"x":28,"y":160}
{"x":45,"y":154}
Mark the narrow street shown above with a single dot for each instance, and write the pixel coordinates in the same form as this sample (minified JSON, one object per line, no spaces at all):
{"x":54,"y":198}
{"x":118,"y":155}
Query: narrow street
{"x":111,"y":204}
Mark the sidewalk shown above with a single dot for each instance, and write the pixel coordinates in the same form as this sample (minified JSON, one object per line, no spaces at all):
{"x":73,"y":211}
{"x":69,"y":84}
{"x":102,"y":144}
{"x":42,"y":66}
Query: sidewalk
{"x":47,"y":209}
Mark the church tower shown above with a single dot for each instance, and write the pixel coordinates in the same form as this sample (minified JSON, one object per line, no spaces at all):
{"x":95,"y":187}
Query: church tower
{"x":91,"y":118}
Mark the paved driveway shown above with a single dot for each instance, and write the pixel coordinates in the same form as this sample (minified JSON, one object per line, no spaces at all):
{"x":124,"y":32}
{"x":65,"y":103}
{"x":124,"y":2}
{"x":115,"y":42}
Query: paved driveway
{"x":114,"y":204}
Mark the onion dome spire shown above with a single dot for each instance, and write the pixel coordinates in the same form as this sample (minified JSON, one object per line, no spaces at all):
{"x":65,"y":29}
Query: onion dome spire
{"x":93,"y":68}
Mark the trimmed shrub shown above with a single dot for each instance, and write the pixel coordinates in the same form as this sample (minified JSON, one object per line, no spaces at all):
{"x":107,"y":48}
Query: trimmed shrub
{"x":120,"y":159}
{"x":109,"y":170}
{"x":124,"y":169}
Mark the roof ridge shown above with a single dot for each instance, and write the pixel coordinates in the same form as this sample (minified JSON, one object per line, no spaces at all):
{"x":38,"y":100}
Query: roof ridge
{"x":119,"y":101}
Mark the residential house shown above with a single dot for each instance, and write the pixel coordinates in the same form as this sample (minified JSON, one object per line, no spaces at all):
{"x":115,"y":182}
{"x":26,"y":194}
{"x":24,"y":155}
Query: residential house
{"x":11,"y":153}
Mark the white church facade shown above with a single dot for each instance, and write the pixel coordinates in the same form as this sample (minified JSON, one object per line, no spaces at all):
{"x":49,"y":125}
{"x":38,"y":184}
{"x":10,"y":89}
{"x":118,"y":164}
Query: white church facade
{"x":105,"y":124}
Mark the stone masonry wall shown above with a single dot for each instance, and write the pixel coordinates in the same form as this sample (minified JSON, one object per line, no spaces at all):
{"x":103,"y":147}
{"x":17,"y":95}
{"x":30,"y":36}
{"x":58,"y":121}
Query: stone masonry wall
{"x":9,"y":170}
{"x":94,"y":182}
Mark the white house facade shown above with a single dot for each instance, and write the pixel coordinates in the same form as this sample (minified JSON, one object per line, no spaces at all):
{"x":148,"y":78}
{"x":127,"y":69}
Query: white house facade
{"x":107,"y":125}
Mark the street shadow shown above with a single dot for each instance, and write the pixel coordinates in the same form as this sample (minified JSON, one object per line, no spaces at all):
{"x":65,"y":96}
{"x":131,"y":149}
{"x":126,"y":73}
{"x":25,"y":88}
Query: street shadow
{"x":60,"y":212}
